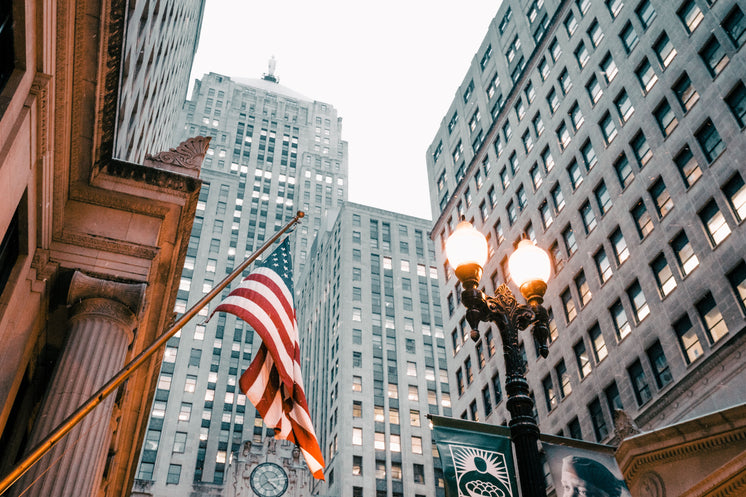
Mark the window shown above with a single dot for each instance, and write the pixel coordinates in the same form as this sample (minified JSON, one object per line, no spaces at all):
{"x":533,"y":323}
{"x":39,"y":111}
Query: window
{"x":661,"y":371}
{"x":576,"y":117}
{"x":568,"y":305}
{"x":684,"y":252}
{"x":563,"y":136}
{"x":416,"y":445}
{"x":641,"y":149}
{"x":714,"y":56}
{"x":574,"y":429}
{"x":643,"y":222}
{"x":614,"y":6}
{"x":558,"y":198}
{"x":735,"y":25}
{"x":571,"y":24}
{"x":357,"y":383}
{"x":589,"y":155}
{"x":688,"y":339}
{"x":603,"y":198}
{"x":714,"y":222}
{"x":735,"y":192}
{"x":687,"y":166}
{"x":661,"y":197}
{"x":602,"y":265}
{"x":663,"y":275}
{"x":639,"y":302}
{"x":584,"y":291}
{"x":685,"y":92}
{"x":665,"y":117}
{"x":607,"y":128}
{"x":711,"y":318}
{"x":582,"y":359}
{"x":357,"y":465}
{"x":621,"y":252}
{"x":573,"y":171}
{"x":623,"y":171}
{"x":546,"y":214}
{"x":665,"y":50}
{"x":737,"y":280}
{"x":599,"y":344}
{"x":597,"y":420}
{"x":589,"y":218}
{"x":624,"y":106}
{"x":418,"y":471}
{"x":582,"y":55}
{"x":485,"y":57}
{"x":568,"y":235}
{"x":543,"y":69}
{"x":553,"y":100}
{"x":357,"y":409}
{"x":547,"y":160}
{"x":608,"y":68}
{"x":185,"y":412}
{"x":468,"y":91}
{"x":645,"y":13}
{"x":629,"y":37}
{"x":639,"y":383}
{"x":594,"y":90}
{"x":613,"y":399}
{"x":174,"y":474}
{"x":538,"y":124}
{"x":646,"y":75}
{"x":549,"y":395}
{"x":736,"y":101}
{"x":564,"y":379}
{"x":595,"y":33}
{"x":691,"y":15}
{"x":535,"y":177}
{"x":619,"y":318}
{"x":554,"y":50}
{"x":512,"y":213}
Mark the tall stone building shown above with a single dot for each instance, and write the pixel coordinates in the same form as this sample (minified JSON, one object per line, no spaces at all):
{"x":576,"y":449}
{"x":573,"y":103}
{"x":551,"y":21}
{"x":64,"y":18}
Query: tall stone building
{"x":272,"y":152}
{"x":92,"y":246}
{"x":154,"y":81}
{"x":611,"y":133}
{"x":373,"y":353}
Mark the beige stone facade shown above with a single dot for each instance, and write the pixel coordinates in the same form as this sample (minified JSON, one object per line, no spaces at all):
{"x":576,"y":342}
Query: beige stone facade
{"x":69,"y":212}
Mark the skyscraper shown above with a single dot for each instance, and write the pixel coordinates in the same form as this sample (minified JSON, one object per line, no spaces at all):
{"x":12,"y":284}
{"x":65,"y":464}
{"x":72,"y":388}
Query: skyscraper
{"x":154,"y":81}
{"x":273,"y":151}
{"x":611,"y":133}
{"x":373,"y":353}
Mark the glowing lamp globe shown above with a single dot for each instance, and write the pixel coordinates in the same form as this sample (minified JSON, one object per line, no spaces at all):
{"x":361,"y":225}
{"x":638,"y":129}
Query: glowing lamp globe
{"x":529,"y":265}
{"x":466,"y":250}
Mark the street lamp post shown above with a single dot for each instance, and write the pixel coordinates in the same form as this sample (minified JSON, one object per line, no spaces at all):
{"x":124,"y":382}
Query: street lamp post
{"x":530,"y":268}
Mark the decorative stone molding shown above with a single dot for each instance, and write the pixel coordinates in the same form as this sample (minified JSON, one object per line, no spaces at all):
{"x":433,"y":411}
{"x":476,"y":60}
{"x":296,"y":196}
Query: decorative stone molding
{"x":83,"y":287}
{"x":186,"y":158}
{"x":40,"y":89}
{"x":651,"y":485}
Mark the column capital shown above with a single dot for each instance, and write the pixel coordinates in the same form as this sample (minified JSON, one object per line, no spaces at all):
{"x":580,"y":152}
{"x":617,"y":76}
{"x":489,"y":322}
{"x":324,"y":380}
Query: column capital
{"x":84,"y":287}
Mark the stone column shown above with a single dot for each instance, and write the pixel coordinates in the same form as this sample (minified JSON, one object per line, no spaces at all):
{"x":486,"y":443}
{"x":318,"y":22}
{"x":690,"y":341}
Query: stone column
{"x":103,"y":317}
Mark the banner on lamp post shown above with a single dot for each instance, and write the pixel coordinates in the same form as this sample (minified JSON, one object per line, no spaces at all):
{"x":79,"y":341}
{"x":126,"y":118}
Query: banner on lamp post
{"x":582,"y":468}
{"x":477,"y":459}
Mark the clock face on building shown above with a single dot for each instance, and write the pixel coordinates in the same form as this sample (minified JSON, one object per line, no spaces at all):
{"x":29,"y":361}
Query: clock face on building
{"x":268,"y":480}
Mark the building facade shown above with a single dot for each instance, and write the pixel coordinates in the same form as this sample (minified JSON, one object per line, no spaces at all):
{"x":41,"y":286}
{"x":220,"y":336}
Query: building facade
{"x":92,"y":247}
{"x":154,"y":81}
{"x":373,"y":353}
{"x":611,"y":133}
{"x":272,"y":152}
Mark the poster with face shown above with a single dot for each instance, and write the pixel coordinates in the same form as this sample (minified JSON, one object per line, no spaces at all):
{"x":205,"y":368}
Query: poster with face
{"x":583,"y":469}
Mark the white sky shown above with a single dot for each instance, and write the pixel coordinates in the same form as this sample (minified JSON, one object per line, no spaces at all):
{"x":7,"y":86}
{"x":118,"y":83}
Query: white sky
{"x":390,"y":68}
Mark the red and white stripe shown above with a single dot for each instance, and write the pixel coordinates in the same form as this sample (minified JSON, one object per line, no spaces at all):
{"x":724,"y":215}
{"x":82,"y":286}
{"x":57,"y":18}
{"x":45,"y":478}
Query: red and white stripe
{"x":273,"y":381}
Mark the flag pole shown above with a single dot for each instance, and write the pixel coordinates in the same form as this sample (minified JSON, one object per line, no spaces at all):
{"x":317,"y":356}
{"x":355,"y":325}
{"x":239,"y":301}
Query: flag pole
{"x":69,"y":423}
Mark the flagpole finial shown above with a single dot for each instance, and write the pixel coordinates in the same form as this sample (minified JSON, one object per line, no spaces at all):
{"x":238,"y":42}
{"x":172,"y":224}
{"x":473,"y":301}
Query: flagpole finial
{"x":300,"y":214}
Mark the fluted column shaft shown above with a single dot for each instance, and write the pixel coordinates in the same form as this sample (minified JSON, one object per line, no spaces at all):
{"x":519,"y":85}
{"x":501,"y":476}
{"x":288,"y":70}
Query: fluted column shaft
{"x":101,"y":329}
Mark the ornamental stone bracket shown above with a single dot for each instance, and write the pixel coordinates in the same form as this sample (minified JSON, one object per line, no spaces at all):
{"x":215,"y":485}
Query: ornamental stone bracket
{"x":185,"y":159}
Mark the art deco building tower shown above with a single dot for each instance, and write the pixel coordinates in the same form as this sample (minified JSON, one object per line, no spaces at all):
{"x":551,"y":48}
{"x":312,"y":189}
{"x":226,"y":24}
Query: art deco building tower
{"x":272,"y":152}
{"x":611,"y":133}
{"x":373,"y":353}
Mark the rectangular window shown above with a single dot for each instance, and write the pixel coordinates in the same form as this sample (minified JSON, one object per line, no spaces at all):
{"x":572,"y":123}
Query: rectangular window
{"x":646,"y":75}
{"x":599,"y":344}
{"x":688,"y":167}
{"x":589,"y":218}
{"x":709,"y":139}
{"x":584,"y":291}
{"x":573,"y":171}
{"x":629,"y":37}
{"x":641,"y":149}
{"x":737,"y":280}
{"x":608,"y":129}
{"x":595,"y":33}
{"x":549,"y":396}
{"x":174,"y":474}
{"x":568,"y":235}
{"x":564,"y":378}
{"x":639,"y":383}
{"x":546,"y":214}
{"x":735,"y":25}
{"x":621,"y":251}
{"x":603,"y":198}
{"x":663,"y":275}
{"x":714,"y":222}
{"x":623,"y":171}
{"x":558,"y":198}
{"x":619,"y":318}
{"x":638,"y":300}
{"x":685,"y":92}
{"x":594,"y":90}
{"x":714,"y":56}
{"x":602,"y":265}
{"x":688,"y":339}
{"x":684,"y":252}
{"x":614,"y":6}
{"x":711,"y":318}
{"x":589,"y":155}
{"x":735,"y":192}
{"x":576,"y":117}
{"x":664,"y":49}
{"x":553,"y":100}
{"x":642,"y":219}
{"x":582,"y":359}
{"x":597,"y":419}
{"x":665,"y":117}
{"x":661,"y":198}
{"x":582,"y":55}
{"x":613,"y":399}
{"x":624,"y":106}
{"x":645,"y":13}
{"x":691,"y":15}
{"x":661,"y":371}
{"x":568,"y":305}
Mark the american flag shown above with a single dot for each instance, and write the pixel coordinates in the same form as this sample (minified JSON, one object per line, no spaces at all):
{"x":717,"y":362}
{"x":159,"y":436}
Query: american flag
{"x":273,"y":382}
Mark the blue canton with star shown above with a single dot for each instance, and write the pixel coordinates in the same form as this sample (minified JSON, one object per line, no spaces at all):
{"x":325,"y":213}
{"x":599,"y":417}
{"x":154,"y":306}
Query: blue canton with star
{"x":280,"y":262}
